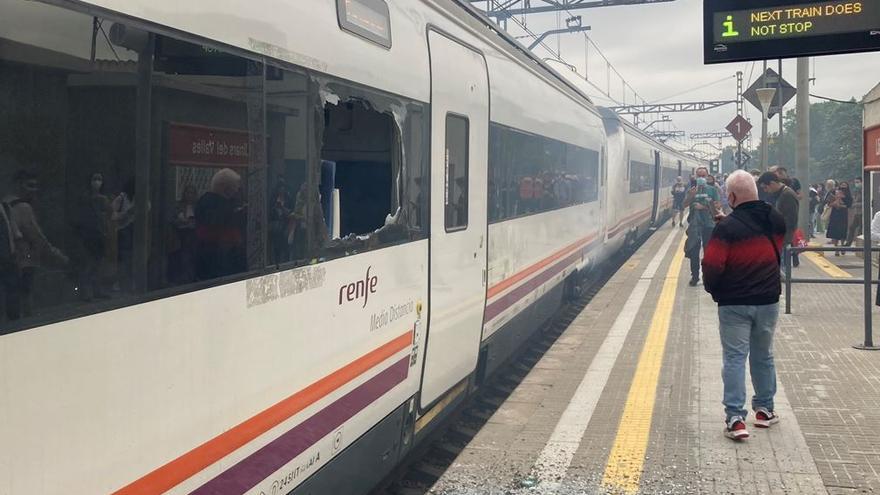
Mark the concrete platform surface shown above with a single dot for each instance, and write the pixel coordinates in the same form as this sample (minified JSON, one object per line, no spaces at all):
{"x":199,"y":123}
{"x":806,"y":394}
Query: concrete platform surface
{"x":628,"y":399}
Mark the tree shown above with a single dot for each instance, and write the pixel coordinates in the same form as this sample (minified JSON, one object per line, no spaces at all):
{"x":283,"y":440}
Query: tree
{"x":835,"y":142}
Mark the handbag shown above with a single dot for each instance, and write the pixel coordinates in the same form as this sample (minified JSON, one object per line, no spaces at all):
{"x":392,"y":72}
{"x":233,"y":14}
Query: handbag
{"x":798,"y":240}
{"x":826,"y":214}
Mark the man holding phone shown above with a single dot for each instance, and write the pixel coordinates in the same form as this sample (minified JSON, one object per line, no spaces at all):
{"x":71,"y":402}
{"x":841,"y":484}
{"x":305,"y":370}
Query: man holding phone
{"x":703,"y":206}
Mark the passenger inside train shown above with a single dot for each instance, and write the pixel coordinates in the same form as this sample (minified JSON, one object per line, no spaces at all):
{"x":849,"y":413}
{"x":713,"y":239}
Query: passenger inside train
{"x":136,"y":195}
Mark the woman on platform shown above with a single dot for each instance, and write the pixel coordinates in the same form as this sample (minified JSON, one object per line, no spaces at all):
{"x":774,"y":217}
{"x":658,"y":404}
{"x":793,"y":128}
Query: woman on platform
{"x":838,"y":223}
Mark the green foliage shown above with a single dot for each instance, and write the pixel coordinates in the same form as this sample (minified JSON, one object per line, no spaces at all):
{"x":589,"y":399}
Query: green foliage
{"x":835,"y":141}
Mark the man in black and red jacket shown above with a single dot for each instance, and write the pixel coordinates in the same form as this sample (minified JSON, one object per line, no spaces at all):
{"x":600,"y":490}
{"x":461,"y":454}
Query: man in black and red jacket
{"x":741,"y":271}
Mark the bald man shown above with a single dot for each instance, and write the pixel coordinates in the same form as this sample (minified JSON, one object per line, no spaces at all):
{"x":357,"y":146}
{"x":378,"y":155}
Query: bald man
{"x":219,"y":235}
{"x":741,"y":271}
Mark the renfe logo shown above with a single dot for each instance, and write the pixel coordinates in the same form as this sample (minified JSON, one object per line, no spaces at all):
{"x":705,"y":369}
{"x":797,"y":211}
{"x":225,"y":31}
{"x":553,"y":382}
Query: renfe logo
{"x":361,"y":288}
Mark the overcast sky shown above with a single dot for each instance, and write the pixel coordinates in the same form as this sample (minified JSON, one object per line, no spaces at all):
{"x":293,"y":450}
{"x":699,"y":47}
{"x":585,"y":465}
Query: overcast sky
{"x":658,"y":49}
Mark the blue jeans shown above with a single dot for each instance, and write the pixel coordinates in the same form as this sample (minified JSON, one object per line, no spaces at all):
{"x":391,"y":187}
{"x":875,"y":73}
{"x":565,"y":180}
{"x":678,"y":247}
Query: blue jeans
{"x":704,"y":234}
{"x":747,"y":332}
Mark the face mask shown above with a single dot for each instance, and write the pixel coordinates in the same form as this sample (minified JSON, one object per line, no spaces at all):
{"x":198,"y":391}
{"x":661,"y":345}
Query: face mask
{"x":701,"y":181}
{"x":857,"y":187}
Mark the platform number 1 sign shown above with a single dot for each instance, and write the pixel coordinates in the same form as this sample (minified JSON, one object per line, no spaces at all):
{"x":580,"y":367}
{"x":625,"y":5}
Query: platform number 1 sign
{"x":739,"y":128}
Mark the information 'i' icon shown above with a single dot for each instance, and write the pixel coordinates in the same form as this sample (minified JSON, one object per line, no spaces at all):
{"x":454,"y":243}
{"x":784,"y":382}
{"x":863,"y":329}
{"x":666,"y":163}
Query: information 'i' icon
{"x":729,"y":30}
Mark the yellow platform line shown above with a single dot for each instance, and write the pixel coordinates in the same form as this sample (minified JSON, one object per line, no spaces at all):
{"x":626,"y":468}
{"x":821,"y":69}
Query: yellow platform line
{"x":627,"y":458}
{"x":826,"y":265}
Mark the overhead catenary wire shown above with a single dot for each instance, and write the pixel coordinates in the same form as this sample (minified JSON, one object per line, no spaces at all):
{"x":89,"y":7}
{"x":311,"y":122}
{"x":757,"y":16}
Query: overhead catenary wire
{"x":696,"y":88}
{"x":851,"y":102}
{"x":587,"y":41}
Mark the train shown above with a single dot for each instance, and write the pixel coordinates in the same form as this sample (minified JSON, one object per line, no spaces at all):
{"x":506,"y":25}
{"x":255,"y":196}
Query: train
{"x":267,"y":247}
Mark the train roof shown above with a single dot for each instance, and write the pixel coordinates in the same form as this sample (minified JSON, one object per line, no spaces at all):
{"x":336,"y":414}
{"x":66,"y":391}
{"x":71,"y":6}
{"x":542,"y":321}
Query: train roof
{"x":477,"y":20}
{"x":631,"y":129}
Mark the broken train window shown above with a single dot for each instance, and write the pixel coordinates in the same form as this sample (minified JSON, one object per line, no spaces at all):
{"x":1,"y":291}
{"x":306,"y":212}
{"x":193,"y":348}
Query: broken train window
{"x":347,"y":165}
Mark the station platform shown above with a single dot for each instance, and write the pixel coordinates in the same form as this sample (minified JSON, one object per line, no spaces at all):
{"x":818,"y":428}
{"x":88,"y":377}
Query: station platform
{"x":628,"y":398}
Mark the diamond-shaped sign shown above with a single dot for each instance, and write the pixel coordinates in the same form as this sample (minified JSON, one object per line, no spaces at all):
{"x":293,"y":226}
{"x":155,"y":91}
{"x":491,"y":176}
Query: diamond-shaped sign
{"x":770,"y":79}
{"x":739,"y":127}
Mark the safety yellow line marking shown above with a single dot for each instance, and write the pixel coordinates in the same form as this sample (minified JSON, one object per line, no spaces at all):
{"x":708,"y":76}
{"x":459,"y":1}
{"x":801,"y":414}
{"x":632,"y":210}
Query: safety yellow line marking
{"x":627,"y":457}
{"x":827,"y":266}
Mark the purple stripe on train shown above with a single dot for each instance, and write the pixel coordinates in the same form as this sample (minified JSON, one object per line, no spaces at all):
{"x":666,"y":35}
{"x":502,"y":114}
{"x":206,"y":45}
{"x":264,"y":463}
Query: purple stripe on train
{"x":506,"y":301}
{"x":263,"y":463}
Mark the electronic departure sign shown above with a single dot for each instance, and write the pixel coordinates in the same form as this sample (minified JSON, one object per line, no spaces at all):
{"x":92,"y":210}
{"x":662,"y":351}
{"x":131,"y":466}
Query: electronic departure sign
{"x":741,"y":30}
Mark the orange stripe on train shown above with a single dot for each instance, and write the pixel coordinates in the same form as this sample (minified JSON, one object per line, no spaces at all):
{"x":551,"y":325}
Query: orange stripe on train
{"x":175,"y":472}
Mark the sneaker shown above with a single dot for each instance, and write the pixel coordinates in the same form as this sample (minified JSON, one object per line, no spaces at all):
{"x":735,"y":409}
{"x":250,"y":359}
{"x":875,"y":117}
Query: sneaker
{"x":764,"y":418}
{"x":736,"y":429}
{"x":694,"y":282}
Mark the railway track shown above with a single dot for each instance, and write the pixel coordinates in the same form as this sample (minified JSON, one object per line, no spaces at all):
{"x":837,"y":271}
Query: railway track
{"x":427,"y":463}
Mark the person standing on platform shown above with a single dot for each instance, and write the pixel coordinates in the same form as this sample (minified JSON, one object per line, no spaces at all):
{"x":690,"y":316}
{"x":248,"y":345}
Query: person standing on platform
{"x":838,"y":221}
{"x":702,"y":202}
{"x":814,"y":208}
{"x":679,"y":191}
{"x":789,"y":181}
{"x":741,"y":271}
{"x":855,"y":213}
{"x":786,"y":202}
{"x":219,"y":237}
{"x":875,"y":237}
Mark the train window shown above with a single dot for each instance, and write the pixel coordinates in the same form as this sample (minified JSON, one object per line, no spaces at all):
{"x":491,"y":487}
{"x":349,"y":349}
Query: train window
{"x":532,"y":174}
{"x":129,"y":161}
{"x":500,"y":189}
{"x":208,"y":160}
{"x":668,"y":176}
{"x":366,"y":18}
{"x":581,"y":176}
{"x":641,"y":177}
{"x":339,"y":183}
{"x":628,"y":165}
{"x":136,"y":165}
{"x":455,"y":195}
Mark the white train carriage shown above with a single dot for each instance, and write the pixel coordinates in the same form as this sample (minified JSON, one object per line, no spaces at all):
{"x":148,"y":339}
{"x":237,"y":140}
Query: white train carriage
{"x":647,"y":171}
{"x":264,"y":247}
{"x":634,"y":176}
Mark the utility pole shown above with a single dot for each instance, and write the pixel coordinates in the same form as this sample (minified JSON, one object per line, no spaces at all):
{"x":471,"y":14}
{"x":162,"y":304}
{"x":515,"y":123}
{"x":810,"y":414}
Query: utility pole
{"x":779,"y":95}
{"x":764,"y":148}
{"x":739,"y":111}
{"x":803,"y":142}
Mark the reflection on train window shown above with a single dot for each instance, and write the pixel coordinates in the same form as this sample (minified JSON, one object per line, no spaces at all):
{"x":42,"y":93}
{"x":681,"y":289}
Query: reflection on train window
{"x":532,"y":174}
{"x":106,"y":216}
{"x":641,"y":177}
{"x":133,"y":162}
{"x":668,"y":176}
{"x":455,"y":195}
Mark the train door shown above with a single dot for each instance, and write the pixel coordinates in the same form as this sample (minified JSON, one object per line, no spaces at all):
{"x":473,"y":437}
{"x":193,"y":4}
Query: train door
{"x":459,"y":148}
{"x":603,"y":186}
{"x":656,"y":208}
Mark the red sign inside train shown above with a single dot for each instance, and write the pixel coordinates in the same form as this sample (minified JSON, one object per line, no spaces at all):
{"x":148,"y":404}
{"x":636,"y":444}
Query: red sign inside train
{"x":872,"y":149}
{"x":193,"y":145}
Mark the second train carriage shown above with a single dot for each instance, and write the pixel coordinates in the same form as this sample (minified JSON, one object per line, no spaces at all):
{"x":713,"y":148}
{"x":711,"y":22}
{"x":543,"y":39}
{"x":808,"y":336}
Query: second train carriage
{"x":412,"y":194}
